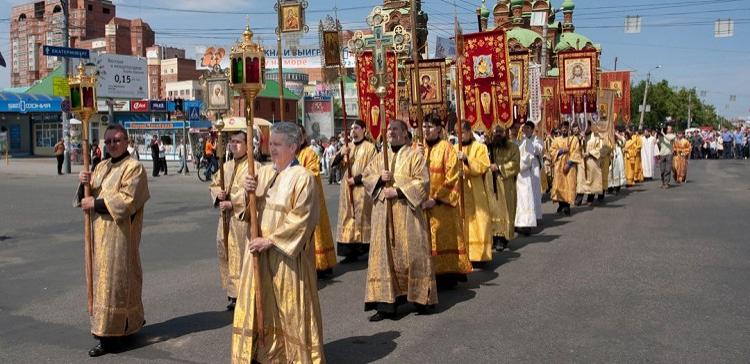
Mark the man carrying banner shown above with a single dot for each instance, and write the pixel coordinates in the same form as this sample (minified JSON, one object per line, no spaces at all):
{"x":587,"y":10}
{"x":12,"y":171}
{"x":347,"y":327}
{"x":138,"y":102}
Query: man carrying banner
{"x":504,"y":167}
{"x":353,"y":235}
{"x":589,"y":178}
{"x":119,"y":191}
{"x":400,"y":267}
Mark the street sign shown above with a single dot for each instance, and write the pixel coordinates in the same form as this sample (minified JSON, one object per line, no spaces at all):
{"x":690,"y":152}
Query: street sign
{"x":66,"y":52}
{"x":122,"y":77}
{"x":194,"y":113}
{"x":65,"y":105}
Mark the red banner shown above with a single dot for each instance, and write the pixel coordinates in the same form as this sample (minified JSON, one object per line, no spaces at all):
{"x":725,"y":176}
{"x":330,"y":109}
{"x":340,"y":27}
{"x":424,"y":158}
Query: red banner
{"x":486,"y":80}
{"x":620,"y":82}
{"x":551,"y":101}
{"x":369,"y":103}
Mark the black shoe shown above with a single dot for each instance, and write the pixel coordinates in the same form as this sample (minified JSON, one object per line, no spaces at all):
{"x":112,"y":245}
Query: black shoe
{"x":566,"y":211}
{"x":325,"y":274}
{"x":424,"y":309}
{"x":559,"y":208}
{"x":349,"y":259}
{"x":232,"y":303}
{"x":97,"y":350}
{"x":380,"y":316}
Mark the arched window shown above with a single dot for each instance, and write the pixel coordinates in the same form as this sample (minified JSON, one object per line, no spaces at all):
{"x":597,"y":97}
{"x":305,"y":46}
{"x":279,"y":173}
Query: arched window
{"x":22,"y":17}
{"x":57,"y":9}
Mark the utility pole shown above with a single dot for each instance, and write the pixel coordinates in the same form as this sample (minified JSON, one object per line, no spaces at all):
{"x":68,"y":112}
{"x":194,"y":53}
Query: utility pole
{"x":65,"y":119}
{"x":690,"y":105}
{"x":643,"y":105}
{"x":281,"y":66}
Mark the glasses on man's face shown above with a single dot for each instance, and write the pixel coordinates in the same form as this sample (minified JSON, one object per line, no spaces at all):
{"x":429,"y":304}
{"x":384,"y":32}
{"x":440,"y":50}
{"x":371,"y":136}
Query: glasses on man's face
{"x":112,"y":141}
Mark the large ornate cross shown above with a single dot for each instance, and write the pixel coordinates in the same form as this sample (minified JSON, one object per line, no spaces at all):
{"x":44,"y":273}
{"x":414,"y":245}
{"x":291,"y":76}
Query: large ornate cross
{"x":380,"y":42}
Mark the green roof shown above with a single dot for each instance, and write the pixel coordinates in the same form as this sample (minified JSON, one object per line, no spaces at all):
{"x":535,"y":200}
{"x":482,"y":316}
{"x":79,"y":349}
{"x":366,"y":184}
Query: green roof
{"x":16,"y":90}
{"x":575,"y":41}
{"x":45,"y":85}
{"x":568,"y":5}
{"x":272,"y":90}
{"x":524,"y":36}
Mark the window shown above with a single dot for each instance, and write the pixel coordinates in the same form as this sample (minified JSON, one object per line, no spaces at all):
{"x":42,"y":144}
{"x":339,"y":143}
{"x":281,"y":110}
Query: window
{"x":90,"y":7}
{"x":105,"y":10}
{"x":46,"y":135}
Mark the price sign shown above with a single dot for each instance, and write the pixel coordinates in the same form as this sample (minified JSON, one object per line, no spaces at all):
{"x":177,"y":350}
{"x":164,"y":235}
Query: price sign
{"x":122,"y":77}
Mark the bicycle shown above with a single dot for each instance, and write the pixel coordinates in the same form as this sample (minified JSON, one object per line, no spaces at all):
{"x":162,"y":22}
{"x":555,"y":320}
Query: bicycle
{"x":205,"y":169}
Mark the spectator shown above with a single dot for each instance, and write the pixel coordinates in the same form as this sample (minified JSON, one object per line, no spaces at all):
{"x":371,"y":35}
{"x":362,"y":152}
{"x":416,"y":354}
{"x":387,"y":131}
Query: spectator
{"x":133,"y":151}
{"x":183,"y":154}
{"x":155,"y":155}
{"x":330,"y":155}
{"x":739,"y":143}
{"x":60,"y":155}
{"x":96,"y":155}
{"x":162,"y":157}
{"x":726,"y":142}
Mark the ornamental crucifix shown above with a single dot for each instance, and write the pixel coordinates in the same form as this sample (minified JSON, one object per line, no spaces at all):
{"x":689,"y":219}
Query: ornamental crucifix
{"x":379,"y":42}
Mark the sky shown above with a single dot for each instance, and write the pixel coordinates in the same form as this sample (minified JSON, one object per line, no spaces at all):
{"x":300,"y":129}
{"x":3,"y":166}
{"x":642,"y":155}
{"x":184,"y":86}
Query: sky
{"x":677,"y":35}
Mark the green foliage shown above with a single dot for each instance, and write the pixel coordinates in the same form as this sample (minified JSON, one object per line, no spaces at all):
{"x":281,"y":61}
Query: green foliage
{"x":337,"y":109}
{"x":668,"y":102}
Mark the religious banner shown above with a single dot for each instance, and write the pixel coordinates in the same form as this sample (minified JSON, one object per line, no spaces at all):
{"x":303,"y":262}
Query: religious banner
{"x":577,"y":81}
{"x":550,"y":100}
{"x":519,"y":68}
{"x":604,"y":122}
{"x":292,"y":17}
{"x":330,"y":43}
{"x":535,"y":94}
{"x":620,"y":82}
{"x":429,"y":86}
{"x":486,"y":80}
{"x":369,"y":103}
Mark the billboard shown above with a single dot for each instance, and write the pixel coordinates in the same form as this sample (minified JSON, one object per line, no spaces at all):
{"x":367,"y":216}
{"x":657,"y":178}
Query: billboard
{"x":305,"y":56}
{"x":121,"y":76}
{"x":318,"y":114}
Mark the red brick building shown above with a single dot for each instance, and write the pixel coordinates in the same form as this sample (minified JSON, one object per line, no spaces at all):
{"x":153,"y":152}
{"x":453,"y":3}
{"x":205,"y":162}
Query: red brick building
{"x":92,"y":25}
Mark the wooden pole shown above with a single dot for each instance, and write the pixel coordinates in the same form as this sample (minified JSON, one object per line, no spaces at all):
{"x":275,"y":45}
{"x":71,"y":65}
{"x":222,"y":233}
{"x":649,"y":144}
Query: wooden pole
{"x":222,"y":160}
{"x":252,"y":211}
{"x":88,"y":232}
{"x":346,"y":136}
{"x":460,"y":134}
{"x":279,"y":52}
{"x":415,"y":58}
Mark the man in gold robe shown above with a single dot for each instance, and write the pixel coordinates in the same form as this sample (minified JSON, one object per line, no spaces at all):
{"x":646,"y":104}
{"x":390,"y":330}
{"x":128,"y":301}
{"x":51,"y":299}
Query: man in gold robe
{"x":606,"y":161}
{"x":681,"y":152}
{"x":565,"y":153}
{"x":632,"y":153}
{"x":288,"y":211}
{"x":589,"y":173}
{"x":325,"y":256}
{"x":399,"y":267}
{"x":638,"y":139}
{"x":230,"y":199}
{"x":449,"y":254}
{"x":119,"y":191}
{"x":505,"y":163}
{"x":353,"y":233}
{"x":477,"y":191}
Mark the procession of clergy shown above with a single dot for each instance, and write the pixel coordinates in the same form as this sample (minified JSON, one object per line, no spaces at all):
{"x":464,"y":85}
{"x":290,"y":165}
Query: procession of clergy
{"x":435,"y":213}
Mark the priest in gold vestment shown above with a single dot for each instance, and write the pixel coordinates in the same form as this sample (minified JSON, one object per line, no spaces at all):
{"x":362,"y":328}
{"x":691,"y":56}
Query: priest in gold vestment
{"x":681,"y":152}
{"x":477,"y":189}
{"x":638,"y":139}
{"x":565,"y":153}
{"x":353,"y":233}
{"x":632,"y":151}
{"x":325,"y":256}
{"x":288,"y":211}
{"x":399,"y":267}
{"x":589,"y":181}
{"x":449,"y":255}
{"x":230,"y":199}
{"x":119,"y":191}
{"x":505,"y":164}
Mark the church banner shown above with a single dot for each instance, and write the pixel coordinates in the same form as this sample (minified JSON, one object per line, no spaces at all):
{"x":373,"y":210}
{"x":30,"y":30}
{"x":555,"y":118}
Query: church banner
{"x":577,"y":81}
{"x":620,"y":82}
{"x":603,"y":123}
{"x":369,"y":103}
{"x":429,"y":87}
{"x":550,"y":99}
{"x":486,"y":80}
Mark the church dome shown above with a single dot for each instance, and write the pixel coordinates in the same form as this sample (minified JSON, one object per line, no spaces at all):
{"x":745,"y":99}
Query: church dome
{"x":568,"y":5}
{"x":524,"y":36}
{"x":574,"y":41}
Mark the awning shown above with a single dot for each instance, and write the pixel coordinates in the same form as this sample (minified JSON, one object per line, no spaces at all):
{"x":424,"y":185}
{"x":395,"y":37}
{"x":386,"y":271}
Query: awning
{"x":237,"y":123}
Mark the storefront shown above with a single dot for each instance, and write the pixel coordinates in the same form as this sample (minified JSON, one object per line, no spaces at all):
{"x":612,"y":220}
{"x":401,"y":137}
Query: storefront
{"x":32,"y":122}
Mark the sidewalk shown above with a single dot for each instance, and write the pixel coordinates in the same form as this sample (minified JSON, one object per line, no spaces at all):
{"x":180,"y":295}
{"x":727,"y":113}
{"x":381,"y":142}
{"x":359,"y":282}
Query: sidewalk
{"x":47,"y":167}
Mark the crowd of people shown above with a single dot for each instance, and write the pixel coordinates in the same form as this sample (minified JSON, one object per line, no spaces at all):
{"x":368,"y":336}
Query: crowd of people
{"x":398,"y":207}
{"x":724,"y":144}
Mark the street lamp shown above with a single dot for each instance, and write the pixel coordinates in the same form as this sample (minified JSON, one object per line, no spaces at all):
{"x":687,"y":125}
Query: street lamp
{"x":83,"y":102}
{"x":645,"y":95}
{"x":247,"y":76}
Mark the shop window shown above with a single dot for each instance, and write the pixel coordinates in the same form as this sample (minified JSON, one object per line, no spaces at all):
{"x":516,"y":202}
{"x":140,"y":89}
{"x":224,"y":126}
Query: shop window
{"x":46,"y":135}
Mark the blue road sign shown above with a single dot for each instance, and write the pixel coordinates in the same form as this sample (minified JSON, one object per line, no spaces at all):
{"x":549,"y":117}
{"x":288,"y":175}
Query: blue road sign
{"x":194,"y":113}
{"x":65,"y":52}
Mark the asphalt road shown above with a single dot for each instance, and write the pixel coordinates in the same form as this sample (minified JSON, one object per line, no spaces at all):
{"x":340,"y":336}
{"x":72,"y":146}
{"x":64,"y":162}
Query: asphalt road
{"x":652,"y":276}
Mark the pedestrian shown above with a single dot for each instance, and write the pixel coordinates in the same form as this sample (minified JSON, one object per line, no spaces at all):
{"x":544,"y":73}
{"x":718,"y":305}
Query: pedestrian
{"x":330,"y":154}
{"x":96,"y":155}
{"x":155,"y":155}
{"x":289,"y":302}
{"x":727,"y":138}
{"x":681,"y":152}
{"x":353,"y":233}
{"x":60,"y":155}
{"x":565,"y":154}
{"x":739,"y":143}
{"x":119,"y":192}
{"x":400,"y":267}
{"x":209,"y":152}
{"x":183,"y":154}
{"x":666,"y":141}
{"x":230,"y":200}
{"x":133,"y":150}
{"x":617,"y":168}
{"x":162,"y":157}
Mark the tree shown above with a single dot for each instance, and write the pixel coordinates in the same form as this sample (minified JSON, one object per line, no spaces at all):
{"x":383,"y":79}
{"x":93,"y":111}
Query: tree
{"x":667,"y":102}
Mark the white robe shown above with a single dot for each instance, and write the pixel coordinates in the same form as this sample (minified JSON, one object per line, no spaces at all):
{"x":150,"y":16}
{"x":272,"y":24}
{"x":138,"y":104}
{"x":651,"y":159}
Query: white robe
{"x":528,"y":183}
{"x":648,"y":152}
{"x":617,"y":169}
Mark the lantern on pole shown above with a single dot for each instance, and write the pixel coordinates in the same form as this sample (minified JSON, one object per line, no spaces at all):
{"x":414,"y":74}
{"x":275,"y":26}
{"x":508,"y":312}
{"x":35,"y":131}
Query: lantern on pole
{"x":83,"y":102}
{"x":247,"y":76}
